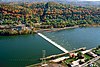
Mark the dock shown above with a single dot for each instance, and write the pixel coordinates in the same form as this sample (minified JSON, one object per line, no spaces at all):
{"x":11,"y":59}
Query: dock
{"x":53,"y":43}
{"x":62,"y":54}
{"x":55,"y":56}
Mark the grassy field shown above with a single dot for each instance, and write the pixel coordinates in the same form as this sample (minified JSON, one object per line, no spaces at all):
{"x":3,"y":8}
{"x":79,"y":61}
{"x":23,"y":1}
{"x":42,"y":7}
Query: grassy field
{"x":70,"y":60}
{"x":87,"y":56}
{"x":98,"y":51}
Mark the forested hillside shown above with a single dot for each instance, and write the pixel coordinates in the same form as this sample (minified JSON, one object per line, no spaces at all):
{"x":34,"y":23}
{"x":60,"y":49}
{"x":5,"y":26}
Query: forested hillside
{"x":50,"y":13}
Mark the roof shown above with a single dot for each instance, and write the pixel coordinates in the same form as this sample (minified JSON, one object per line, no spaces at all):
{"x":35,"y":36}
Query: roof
{"x":94,"y":55}
{"x":59,"y":59}
{"x":75,"y":63}
{"x":83,"y":52}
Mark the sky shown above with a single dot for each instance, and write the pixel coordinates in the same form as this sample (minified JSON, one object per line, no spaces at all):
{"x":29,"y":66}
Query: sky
{"x":47,"y":0}
{"x":91,"y":0}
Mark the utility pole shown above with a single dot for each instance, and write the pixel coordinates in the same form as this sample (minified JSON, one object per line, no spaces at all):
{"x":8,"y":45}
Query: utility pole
{"x":43,"y":60}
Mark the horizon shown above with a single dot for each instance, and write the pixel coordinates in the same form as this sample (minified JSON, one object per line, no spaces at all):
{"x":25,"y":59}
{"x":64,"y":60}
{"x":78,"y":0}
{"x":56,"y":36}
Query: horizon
{"x":43,"y":0}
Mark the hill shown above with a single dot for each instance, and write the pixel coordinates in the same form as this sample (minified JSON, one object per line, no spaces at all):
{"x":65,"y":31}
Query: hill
{"x":49,"y":13}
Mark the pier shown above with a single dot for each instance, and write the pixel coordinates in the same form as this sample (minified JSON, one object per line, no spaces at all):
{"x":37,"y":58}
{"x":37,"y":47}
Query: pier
{"x":62,"y":54}
{"x":53,"y":43}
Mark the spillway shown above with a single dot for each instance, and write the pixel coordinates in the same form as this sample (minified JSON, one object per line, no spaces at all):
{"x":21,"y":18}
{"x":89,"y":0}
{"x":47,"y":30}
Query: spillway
{"x":53,"y":43}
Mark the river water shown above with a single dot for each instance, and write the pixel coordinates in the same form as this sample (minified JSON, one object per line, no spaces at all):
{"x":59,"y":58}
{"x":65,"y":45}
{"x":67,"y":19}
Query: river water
{"x":76,"y":38}
{"x":20,"y":51}
{"x":23,"y":50}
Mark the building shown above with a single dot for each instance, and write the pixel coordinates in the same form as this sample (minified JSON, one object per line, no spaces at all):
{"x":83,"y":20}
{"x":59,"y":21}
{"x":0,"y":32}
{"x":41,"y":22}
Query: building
{"x":59,"y":59}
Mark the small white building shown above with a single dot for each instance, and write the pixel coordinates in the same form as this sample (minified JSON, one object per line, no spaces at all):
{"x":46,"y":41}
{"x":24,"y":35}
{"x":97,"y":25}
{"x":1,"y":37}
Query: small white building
{"x":59,"y":59}
{"x":92,"y":54}
{"x":75,"y":63}
{"x":86,"y":51}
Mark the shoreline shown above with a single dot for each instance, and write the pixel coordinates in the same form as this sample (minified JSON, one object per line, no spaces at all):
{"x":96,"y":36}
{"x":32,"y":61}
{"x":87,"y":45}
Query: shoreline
{"x":65,"y":28}
{"x":52,"y":30}
{"x":51,"y":59}
{"x":56,"y":29}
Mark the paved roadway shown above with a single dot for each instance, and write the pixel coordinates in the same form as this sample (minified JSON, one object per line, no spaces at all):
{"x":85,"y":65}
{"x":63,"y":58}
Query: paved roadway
{"x":90,"y":61}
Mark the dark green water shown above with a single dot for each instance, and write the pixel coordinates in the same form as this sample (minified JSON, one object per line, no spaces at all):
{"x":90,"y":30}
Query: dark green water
{"x":20,"y":51}
{"x":76,"y":38}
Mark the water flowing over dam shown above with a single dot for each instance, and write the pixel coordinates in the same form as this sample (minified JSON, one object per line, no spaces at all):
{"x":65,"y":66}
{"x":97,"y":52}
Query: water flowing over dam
{"x":53,"y":43}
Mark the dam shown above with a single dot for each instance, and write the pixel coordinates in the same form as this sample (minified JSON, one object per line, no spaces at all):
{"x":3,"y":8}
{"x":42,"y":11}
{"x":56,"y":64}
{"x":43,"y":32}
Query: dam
{"x":53,"y":43}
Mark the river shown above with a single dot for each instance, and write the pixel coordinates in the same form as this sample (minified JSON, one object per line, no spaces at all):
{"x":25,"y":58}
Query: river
{"x":23,"y":50}
{"x":75,"y":38}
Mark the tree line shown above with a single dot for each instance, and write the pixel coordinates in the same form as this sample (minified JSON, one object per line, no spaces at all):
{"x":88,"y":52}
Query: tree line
{"x":50,"y":13}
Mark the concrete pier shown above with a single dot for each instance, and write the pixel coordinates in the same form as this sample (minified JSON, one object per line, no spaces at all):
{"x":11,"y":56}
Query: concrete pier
{"x":53,"y":43}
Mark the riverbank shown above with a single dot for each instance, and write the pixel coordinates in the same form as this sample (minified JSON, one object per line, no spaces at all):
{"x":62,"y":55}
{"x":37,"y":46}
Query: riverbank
{"x":10,"y":32}
{"x":56,"y":29}
{"x":79,"y":57}
{"x":15,"y":32}
{"x":65,"y":28}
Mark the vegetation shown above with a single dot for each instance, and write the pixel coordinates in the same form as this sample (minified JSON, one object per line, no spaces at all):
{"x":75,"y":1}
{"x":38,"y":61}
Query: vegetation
{"x":70,"y":60}
{"x":50,"y":13}
{"x":87,"y":57}
{"x":79,"y":55}
{"x":47,"y":15}
{"x":14,"y":32}
{"x":98,"y":52}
